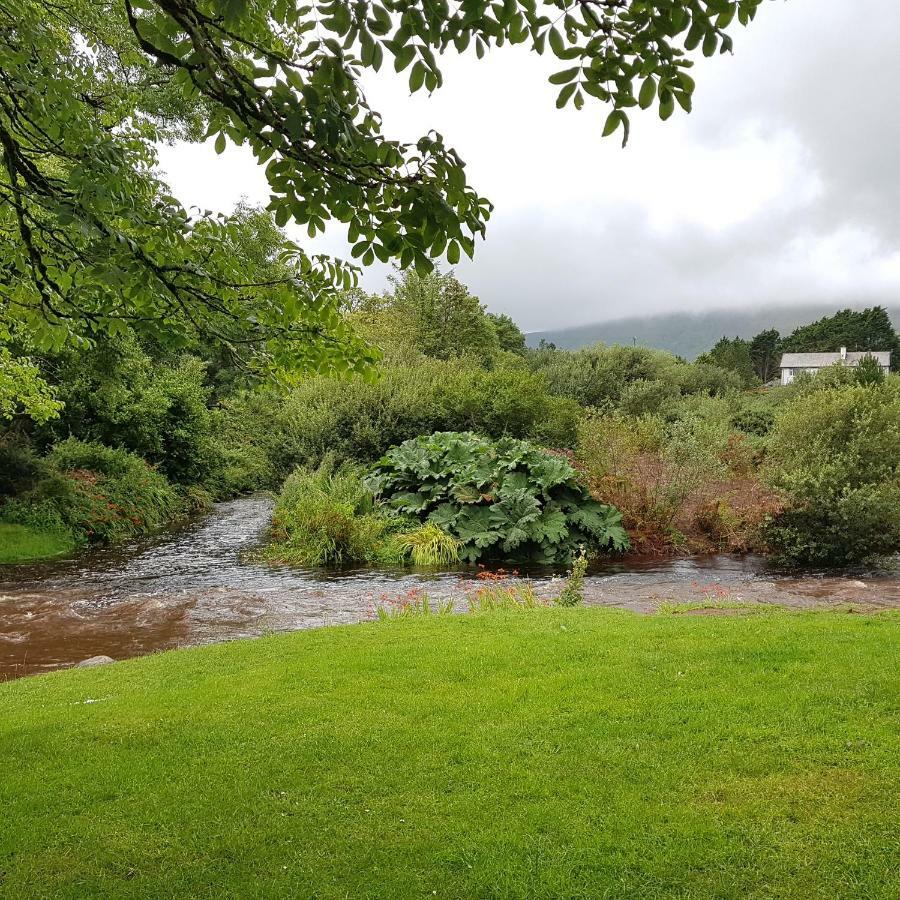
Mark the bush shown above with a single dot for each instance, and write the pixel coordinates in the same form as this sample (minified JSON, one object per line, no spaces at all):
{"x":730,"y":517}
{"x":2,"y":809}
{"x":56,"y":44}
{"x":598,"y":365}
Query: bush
{"x":360,"y":420}
{"x":427,"y":545}
{"x":20,"y":466}
{"x":649,"y":468}
{"x":119,"y":396}
{"x":602,"y":377}
{"x":324,"y":517}
{"x":500,"y":500}
{"x":835,"y":455}
{"x":96,"y":493}
{"x":572,"y":593}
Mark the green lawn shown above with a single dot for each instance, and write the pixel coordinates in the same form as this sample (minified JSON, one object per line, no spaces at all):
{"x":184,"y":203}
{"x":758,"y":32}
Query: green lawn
{"x":19,"y":543}
{"x":546,"y":753}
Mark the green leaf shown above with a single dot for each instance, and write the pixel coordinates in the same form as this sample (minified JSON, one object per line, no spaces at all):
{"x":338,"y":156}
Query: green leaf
{"x":648,"y":93}
{"x":565,"y":76}
{"x":613,"y":121}
{"x":417,"y":76}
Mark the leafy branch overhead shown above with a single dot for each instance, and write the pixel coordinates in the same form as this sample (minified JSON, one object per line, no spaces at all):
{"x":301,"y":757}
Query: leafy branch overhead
{"x":91,"y":241}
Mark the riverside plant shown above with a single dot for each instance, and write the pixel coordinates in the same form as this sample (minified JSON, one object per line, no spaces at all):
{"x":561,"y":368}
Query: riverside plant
{"x":572,"y":593}
{"x":500,"y":500}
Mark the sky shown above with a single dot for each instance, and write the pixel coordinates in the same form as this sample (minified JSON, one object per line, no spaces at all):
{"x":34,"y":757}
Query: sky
{"x":782,"y":186}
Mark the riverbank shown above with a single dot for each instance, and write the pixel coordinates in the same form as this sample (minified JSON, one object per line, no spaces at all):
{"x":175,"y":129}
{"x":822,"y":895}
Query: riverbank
{"x":20,"y":544}
{"x":195,"y":585}
{"x":542,"y":753}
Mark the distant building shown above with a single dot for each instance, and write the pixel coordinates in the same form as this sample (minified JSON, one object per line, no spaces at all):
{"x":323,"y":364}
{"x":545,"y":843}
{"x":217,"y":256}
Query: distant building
{"x":793,"y":364}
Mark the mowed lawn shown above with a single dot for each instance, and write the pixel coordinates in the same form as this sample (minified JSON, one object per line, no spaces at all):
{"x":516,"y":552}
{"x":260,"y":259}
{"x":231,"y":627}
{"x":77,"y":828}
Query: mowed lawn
{"x":546,"y":753}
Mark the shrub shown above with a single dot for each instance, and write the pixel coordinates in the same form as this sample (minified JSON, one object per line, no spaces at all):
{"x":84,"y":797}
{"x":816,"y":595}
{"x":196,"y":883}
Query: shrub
{"x":96,"y":493}
{"x":361,"y":420}
{"x":19,"y":466}
{"x":500,"y":500}
{"x":649,"y":468}
{"x":601,"y":376}
{"x":325,"y":517}
{"x":835,"y":455}
{"x":118,"y":395}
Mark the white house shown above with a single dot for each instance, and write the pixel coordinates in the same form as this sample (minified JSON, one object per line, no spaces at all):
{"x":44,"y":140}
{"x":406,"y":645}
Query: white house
{"x":792,"y":364}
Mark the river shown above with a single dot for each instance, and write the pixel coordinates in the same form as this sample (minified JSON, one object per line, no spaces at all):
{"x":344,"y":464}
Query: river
{"x":192,"y":586}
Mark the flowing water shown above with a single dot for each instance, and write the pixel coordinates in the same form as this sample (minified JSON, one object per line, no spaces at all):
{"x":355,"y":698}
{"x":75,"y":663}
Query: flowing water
{"x":193,"y":585}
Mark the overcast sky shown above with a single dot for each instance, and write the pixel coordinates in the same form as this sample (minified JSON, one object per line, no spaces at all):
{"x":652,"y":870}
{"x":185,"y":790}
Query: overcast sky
{"x":782,"y":186}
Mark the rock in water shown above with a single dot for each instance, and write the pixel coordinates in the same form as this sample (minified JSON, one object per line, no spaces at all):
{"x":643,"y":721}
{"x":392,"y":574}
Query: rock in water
{"x":95,"y":661}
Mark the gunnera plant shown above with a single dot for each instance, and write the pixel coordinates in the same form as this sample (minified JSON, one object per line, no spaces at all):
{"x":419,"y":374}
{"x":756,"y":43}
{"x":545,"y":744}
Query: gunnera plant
{"x":500,"y":500}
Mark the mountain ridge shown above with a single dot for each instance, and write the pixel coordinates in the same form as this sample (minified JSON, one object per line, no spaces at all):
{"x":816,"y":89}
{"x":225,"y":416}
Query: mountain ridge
{"x":690,"y":333}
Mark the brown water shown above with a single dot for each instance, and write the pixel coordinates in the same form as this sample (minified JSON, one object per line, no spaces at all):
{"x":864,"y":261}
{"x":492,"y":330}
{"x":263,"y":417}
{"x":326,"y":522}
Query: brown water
{"x":190,"y":586}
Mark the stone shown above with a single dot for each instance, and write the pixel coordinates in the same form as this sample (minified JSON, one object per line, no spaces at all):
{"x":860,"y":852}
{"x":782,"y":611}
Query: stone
{"x":95,"y":661}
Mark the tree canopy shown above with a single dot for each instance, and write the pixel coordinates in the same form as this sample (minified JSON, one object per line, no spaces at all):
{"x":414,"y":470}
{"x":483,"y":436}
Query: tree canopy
{"x":92,"y":242}
{"x":866,"y":329}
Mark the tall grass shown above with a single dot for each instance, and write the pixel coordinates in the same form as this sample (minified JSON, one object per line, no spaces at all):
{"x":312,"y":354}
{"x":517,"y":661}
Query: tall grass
{"x":428,"y":545}
{"x":325,"y":516}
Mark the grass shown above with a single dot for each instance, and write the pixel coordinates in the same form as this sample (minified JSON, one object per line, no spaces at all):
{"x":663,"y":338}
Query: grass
{"x":540,"y":753}
{"x":19,"y":543}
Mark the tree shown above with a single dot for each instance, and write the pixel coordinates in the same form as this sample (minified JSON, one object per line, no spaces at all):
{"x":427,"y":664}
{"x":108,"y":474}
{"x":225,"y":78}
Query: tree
{"x":23,"y":391}
{"x":443,"y":319}
{"x":866,"y":329}
{"x":765,"y":354}
{"x":91,"y":242}
{"x":732,"y":354}
{"x":508,"y":333}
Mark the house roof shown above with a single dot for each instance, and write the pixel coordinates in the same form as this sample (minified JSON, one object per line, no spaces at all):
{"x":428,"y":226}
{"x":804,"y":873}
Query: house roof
{"x":821,"y":360}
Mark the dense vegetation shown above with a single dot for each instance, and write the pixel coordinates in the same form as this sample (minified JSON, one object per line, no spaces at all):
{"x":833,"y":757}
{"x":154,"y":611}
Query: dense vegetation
{"x":504,"y":500}
{"x":542,"y":753}
{"x":691,"y":458}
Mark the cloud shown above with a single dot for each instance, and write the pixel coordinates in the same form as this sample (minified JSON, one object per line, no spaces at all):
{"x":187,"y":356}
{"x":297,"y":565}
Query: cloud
{"x":781,"y":187}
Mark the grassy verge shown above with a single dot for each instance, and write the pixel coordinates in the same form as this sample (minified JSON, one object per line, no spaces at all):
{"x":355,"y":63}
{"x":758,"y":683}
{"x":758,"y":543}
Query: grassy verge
{"x":546,"y":752}
{"x":18,"y":543}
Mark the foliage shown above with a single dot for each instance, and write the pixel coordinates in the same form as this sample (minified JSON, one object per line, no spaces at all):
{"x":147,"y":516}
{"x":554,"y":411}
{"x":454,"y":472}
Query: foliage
{"x":869,"y":371}
{"x":641,"y":379}
{"x":427,"y":545}
{"x":360,"y":420}
{"x":20,"y":466}
{"x":753,"y":421}
{"x":91,"y":238}
{"x":867,"y":329}
{"x":501,"y":500}
{"x":765,"y":354}
{"x":117,"y":394}
{"x":835,"y":454}
{"x":572,"y":593}
{"x":509,"y":334}
{"x":23,"y":391}
{"x":649,"y":468}
{"x":325,"y":516}
{"x":733,"y":354}
{"x":95,"y":493}
{"x":441,"y":318}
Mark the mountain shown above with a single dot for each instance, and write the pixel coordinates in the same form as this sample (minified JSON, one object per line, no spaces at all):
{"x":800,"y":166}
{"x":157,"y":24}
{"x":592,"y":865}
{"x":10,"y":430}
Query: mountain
{"x":689,"y":334}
